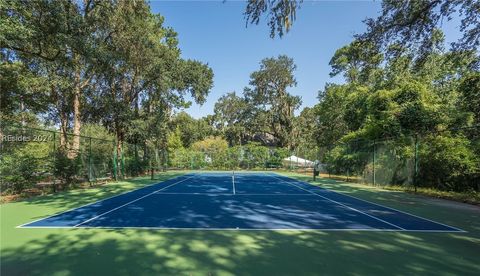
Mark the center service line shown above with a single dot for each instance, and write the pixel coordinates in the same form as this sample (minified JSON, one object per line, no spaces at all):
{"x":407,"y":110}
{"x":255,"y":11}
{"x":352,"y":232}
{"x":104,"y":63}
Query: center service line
{"x":233,"y":181}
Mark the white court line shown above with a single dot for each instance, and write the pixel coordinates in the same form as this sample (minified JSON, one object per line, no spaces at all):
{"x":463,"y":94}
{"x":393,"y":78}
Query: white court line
{"x":346,"y":206}
{"x":244,"y":229}
{"x":85,"y":205}
{"x":393,"y":209}
{"x":380,"y":205}
{"x":233,"y":181}
{"x":130,"y":202}
{"x":238,"y":194}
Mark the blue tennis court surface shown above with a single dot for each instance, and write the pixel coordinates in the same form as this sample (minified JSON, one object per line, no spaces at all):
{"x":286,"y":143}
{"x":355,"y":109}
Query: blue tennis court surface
{"x":238,"y":201}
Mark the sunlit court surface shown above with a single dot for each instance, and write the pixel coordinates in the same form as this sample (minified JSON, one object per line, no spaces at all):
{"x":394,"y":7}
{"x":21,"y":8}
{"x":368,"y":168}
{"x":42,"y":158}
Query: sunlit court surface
{"x":238,"y":201}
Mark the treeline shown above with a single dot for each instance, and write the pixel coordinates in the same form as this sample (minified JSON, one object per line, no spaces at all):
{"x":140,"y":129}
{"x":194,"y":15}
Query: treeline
{"x":112,"y":63}
{"x":111,"y":69}
{"x":406,"y":87}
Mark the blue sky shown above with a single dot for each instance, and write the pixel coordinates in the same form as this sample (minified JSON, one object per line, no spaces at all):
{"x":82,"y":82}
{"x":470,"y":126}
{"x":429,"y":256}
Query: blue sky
{"x":214,"y":32}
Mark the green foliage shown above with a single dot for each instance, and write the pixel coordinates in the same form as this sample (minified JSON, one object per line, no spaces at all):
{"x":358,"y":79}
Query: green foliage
{"x":276,"y":156}
{"x":270,"y":96}
{"x":412,"y":23}
{"x":449,"y":163}
{"x":189,"y":129}
{"x":235,"y":118}
{"x":254,"y":156}
{"x":330,"y":113}
{"x":98,"y":149}
{"x":174,"y":140}
{"x":470,"y":95}
{"x":304,"y":129}
{"x":18,"y":170}
{"x":358,"y":61}
{"x":22,"y":164}
{"x":281,"y":14}
{"x":112,"y":70}
{"x":213,"y":145}
{"x":65,"y":168}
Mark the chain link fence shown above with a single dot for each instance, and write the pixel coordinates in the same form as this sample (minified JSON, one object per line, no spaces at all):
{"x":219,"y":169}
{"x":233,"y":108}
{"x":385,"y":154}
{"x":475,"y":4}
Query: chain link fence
{"x":40,"y":158}
{"x":443,"y":160}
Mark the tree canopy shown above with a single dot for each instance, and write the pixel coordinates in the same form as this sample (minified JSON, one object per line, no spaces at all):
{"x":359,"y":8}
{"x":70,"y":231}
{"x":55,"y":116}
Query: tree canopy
{"x":113,"y":69}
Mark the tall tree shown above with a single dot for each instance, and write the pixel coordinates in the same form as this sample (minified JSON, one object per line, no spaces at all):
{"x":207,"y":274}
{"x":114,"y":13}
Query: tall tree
{"x":269,"y":91}
{"x":358,"y":62}
{"x":233,"y":116}
{"x":54,"y":39}
{"x":143,"y":75}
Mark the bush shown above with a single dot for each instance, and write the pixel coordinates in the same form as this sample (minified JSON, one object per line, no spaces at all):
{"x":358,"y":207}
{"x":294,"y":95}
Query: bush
{"x":135,"y":166}
{"x":18,"y":174}
{"x":448,"y":163}
{"x":66,"y":169}
{"x":21,"y":167}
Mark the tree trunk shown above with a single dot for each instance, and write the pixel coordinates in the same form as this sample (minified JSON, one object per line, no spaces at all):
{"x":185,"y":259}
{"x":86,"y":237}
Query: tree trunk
{"x":62,"y":114}
{"x":63,"y":130}
{"x":119,"y":148}
{"x":77,"y":123}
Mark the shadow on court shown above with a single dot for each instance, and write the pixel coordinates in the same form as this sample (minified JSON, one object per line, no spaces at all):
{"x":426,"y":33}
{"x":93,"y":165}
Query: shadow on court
{"x":262,"y":201}
{"x":149,"y":252}
{"x":186,"y":252}
{"x":74,"y":198}
{"x":439,"y":210}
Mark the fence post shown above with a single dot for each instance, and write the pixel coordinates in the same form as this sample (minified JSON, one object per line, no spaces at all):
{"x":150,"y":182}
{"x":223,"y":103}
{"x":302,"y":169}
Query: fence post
{"x":122,"y":161}
{"x":150,"y":164}
{"x":374,"y":149}
{"x":54,"y":160}
{"x":115,"y":173}
{"x":265,"y":158}
{"x":349,"y":150}
{"x":305,"y":161}
{"x":137,"y":167}
{"x":90,"y":177}
{"x":415,"y":175}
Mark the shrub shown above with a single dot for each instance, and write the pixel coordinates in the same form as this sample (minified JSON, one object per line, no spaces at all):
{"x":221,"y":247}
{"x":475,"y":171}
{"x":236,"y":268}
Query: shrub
{"x":66,"y":169}
{"x":22,"y":166}
{"x":448,"y":163}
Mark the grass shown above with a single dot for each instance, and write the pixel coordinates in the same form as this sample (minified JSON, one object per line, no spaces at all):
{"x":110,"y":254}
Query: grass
{"x":466,"y":197}
{"x":183,"y":252}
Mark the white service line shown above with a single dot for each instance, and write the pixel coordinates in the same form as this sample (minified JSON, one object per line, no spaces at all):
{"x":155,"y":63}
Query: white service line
{"x":238,"y":194}
{"x":92,"y":203}
{"x":233,"y":182}
{"x":130,"y":202}
{"x":339,"y":203}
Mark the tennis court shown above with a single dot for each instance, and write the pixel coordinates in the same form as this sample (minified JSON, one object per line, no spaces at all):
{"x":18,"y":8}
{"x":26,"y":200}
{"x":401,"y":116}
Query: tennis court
{"x":238,"y":201}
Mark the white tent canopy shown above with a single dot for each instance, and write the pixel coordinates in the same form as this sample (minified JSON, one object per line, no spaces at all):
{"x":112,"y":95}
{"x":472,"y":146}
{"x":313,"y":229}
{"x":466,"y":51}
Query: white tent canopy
{"x":297,"y":161}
